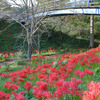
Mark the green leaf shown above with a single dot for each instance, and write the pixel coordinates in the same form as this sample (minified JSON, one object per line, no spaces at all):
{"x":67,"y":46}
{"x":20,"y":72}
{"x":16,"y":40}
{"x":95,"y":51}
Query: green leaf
{"x":55,"y":64}
{"x":12,"y":97}
{"x":64,"y":61}
{"x":97,"y":70}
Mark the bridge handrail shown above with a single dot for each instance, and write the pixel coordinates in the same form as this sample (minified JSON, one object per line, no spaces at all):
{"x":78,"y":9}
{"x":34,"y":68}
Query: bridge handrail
{"x":56,"y":4}
{"x":51,"y":6}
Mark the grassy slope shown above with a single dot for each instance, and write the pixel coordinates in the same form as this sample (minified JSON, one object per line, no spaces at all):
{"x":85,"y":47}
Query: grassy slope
{"x":8,"y":40}
{"x":65,"y":43}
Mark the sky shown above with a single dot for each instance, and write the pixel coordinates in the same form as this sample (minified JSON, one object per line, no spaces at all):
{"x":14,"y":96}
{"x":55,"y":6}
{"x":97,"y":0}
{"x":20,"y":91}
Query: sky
{"x":74,"y":0}
{"x":18,"y":2}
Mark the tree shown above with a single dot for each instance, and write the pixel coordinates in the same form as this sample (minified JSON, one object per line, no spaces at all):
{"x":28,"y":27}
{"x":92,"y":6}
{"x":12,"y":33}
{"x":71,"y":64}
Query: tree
{"x":91,"y":31}
{"x":4,"y":8}
{"x":3,"y":4}
{"x":31,"y":22}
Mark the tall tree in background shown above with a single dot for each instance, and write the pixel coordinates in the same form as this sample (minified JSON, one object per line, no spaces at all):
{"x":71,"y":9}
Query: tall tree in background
{"x":31,"y":22}
{"x":3,"y":4}
{"x":4,"y":8}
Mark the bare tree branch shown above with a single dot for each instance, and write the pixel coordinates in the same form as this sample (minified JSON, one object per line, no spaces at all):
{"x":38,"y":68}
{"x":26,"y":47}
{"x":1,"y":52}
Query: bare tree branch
{"x":7,"y":27}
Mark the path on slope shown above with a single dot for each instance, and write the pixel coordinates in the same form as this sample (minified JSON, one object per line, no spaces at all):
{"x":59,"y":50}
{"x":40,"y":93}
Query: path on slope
{"x":10,"y":62}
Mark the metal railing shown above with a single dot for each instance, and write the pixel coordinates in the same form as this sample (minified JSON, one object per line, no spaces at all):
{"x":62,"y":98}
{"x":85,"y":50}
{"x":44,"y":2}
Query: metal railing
{"x":65,"y":4}
{"x":58,"y":4}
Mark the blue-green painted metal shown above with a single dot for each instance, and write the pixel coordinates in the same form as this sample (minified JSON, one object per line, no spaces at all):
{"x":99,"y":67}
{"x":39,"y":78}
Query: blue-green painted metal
{"x":87,"y":7}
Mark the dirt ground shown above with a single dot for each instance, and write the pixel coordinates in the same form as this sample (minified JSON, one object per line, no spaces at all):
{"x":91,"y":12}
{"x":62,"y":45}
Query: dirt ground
{"x":7,"y":62}
{"x":12,"y":61}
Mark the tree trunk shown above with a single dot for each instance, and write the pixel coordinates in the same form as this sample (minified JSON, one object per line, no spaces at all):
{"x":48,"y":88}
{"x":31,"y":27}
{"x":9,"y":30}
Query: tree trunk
{"x":60,"y":29}
{"x":29,"y":41}
{"x":39,"y":43}
{"x":29,"y":51}
{"x":91,"y":31}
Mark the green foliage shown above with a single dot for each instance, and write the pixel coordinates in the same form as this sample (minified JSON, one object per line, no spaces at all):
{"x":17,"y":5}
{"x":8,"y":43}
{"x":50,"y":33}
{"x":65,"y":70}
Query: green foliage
{"x":4,"y":68}
{"x":9,"y":38}
{"x":75,"y":34}
{"x":97,"y":28}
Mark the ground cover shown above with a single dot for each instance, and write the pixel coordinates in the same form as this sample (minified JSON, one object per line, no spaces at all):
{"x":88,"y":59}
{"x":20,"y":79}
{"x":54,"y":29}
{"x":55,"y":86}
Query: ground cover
{"x":71,"y":76}
{"x":4,"y":56}
{"x":13,"y":38}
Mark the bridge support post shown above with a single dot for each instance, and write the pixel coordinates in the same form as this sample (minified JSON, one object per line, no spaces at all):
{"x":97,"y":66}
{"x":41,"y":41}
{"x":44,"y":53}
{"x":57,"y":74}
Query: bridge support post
{"x":47,"y":5}
{"x":91,"y":31}
{"x":75,"y":4}
{"x":88,"y":1}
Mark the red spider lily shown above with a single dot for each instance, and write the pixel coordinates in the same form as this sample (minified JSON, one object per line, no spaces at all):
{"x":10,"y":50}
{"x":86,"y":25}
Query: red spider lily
{"x":87,"y":71}
{"x":50,"y":82}
{"x":31,"y":78}
{"x":28,"y":85}
{"x":93,"y":92}
{"x":20,"y":79}
{"x":11,"y":85}
{"x":4,"y":96}
{"x":47,"y":95}
{"x":19,"y":96}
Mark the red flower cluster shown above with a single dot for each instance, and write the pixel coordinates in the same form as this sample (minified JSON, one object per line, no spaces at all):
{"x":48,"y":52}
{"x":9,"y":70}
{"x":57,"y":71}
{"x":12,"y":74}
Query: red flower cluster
{"x":93,"y":91}
{"x":18,"y":96}
{"x":4,"y":96}
{"x":28,"y":85}
{"x":49,"y":50}
{"x":7,"y":55}
{"x":48,"y":82}
{"x":11,"y":85}
{"x":81,"y":74}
